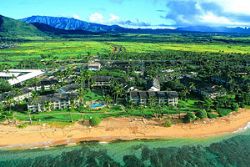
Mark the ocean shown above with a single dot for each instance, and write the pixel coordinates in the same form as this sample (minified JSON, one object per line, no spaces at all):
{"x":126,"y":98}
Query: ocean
{"x":225,"y":151}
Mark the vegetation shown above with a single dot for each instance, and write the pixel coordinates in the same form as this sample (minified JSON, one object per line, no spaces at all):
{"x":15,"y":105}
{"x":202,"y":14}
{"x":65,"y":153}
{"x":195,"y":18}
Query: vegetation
{"x":14,"y":29}
{"x":95,"y":121}
{"x":168,"y":123}
{"x":192,"y":59}
{"x":4,"y":86}
{"x":201,"y":114}
{"x":212,"y":115}
{"x":189,"y":117}
{"x":223,"y":112}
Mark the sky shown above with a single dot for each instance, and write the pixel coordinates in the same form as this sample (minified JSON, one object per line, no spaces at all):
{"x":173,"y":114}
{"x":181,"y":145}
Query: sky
{"x":137,"y":13}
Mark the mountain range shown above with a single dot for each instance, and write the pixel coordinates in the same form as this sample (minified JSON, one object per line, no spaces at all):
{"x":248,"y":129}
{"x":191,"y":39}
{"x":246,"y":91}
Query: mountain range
{"x":49,"y":27}
{"x":70,"y":24}
{"x":74,"y":24}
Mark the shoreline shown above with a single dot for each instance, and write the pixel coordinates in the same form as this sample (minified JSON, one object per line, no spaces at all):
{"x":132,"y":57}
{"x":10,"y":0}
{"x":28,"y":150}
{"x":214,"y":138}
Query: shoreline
{"x":119,"y":129}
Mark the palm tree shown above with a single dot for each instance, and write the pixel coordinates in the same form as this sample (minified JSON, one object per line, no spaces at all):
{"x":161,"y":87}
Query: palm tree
{"x":108,"y":100}
{"x":81,"y":95}
{"x":117,"y":90}
{"x":152,"y":102}
{"x":29,"y":114}
{"x":179,"y":111}
{"x":87,"y":77}
{"x":192,"y":86}
{"x":48,"y":105}
{"x":9,"y":102}
{"x":71,"y":109}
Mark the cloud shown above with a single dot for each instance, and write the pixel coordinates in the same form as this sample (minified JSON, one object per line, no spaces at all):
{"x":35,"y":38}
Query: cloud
{"x":210,"y":17}
{"x":96,"y":18}
{"x":137,"y":23}
{"x":113,"y":18}
{"x":239,"y":7}
{"x":76,"y":16}
{"x":207,"y":12}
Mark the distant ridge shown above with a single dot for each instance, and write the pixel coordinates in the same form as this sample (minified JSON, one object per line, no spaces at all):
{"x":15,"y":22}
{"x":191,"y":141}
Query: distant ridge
{"x":208,"y":29}
{"x":70,"y":24}
{"x":74,"y":24}
{"x":55,"y":31}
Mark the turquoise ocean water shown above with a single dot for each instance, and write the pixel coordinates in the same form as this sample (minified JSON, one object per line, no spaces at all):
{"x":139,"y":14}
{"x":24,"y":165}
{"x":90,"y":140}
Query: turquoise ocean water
{"x":228,"y":151}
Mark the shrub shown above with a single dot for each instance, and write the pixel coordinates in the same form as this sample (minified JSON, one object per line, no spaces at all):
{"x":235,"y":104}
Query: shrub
{"x":2,"y":117}
{"x":212,"y":116}
{"x":22,"y":126}
{"x":201,"y":114}
{"x":235,"y":107}
{"x":95,"y":121}
{"x":223,"y":112}
{"x":189,"y":117}
{"x":242,"y":105}
{"x":168,"y":123}
{"x":4,"y":86}
{"x":116,"y":108}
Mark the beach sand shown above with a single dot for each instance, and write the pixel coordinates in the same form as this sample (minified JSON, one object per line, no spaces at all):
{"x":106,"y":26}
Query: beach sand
{"x":113,"y":129}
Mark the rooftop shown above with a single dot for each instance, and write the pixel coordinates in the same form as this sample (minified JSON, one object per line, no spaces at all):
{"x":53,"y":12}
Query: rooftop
{"x":20,"y":75}
{"x":54,"y":98}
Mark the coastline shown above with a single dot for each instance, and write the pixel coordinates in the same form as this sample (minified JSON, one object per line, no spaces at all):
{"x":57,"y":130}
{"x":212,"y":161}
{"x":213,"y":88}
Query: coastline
{"x":113,"y":129}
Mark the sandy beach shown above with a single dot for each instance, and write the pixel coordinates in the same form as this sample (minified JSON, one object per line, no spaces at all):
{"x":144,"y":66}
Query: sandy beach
{"x":112,"y":129}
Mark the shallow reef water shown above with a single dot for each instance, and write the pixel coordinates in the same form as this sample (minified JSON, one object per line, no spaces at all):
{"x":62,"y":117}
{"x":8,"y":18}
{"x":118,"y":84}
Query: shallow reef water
{"x":232,"y":150}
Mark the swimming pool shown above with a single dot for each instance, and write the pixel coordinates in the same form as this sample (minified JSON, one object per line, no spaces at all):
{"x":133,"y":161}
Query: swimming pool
{"x":97,"y":105}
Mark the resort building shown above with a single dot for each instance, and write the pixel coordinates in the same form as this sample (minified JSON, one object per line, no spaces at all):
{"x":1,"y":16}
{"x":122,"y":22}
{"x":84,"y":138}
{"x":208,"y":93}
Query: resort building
{"x":156,"y":97}
{"x":15,"y":96}
{"x":54,"y":102}
{"x":47,"y":84}
{"x":101,"y":81}
{"x":94,"y":66}
{"x":210,"y":91}
{"x":18,"y":76}
{"x":71,"y":88}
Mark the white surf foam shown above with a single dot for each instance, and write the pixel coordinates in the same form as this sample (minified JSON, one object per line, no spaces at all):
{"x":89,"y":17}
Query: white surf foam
{"x":243,"y":129}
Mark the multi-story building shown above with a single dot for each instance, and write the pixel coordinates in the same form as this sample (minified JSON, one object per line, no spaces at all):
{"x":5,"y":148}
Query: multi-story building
{"x":54,"y":102}
{"x":157,"y":97}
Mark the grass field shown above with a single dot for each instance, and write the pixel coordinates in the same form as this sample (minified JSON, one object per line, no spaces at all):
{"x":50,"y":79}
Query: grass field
{"x":65,"y":117}
{"x":75,"y":49}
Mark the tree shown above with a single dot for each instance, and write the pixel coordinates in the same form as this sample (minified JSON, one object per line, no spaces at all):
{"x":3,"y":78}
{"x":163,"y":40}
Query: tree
{"x":2,"y":113}
{"x":29,"y":114}
{"x":95,"y":121}
{"x":9,"y":102}
{"x":85,"y":76}
{"x":117,"y":90}
{"x":207,"y":104}
{"x":152,"y":102}
{"x":72,"y":109}
{"x":168,"y":123}
{"x":4,"y":86}
{"x":201,"y":114}
{"x":189,"y":117}
{"x":235,"y":107}
{"x":108,"y":100}
{"x":48,"y":105}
